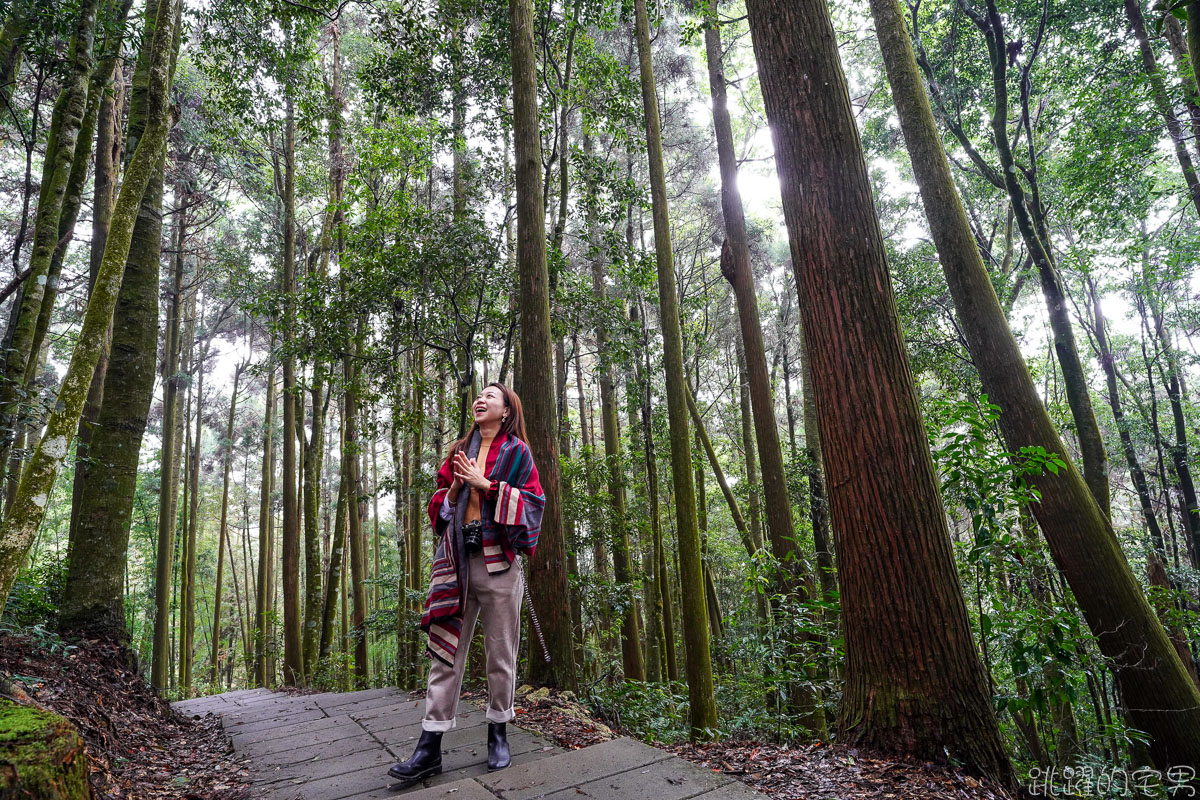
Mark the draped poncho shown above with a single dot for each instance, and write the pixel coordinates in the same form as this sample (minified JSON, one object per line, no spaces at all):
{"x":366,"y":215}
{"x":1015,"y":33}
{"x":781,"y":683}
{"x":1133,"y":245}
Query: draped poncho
{"x":511,"y":512}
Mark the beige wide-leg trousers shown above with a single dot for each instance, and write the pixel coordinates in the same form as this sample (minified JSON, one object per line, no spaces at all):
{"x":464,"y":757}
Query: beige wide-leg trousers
{"x":497,"y":600}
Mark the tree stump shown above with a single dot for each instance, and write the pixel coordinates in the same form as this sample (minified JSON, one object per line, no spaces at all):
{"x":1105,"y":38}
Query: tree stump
{"x":41,"y":755}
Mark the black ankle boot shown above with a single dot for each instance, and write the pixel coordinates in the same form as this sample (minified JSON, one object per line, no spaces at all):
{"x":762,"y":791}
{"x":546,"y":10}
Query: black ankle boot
{"x":498,"y":757}
{"x":426,"y":759}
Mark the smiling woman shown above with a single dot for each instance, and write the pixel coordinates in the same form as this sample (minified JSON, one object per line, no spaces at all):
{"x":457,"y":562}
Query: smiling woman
{"x":473,"y":575}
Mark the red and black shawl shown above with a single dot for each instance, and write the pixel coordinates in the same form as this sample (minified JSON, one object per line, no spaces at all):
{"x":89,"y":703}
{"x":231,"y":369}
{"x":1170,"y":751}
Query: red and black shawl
{"x":512,"y":519}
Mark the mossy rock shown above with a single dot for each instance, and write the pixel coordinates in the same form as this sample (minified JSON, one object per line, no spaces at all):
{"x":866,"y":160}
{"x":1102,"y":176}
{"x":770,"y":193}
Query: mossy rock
{"x":41,"y":755}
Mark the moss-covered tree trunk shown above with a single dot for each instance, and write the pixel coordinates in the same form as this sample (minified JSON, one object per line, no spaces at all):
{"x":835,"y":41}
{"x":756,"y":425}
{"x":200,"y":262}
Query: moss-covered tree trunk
{"x":1162,"y":101}
{"x":17,"y":24}
{"x":1159,"y":695}
{"x":548,"y":568}
{"x":42,"y":755}
{"x":702,"y":708}
{"x":746,"y":428}
{"x":62,"y":139}
{"x":104,"y":185}
{"x":99,"y":86}
{"x":24,"y":515}
{"x":106,"y":474}
{"x":314,"y":462}
{"x":107,"y":56}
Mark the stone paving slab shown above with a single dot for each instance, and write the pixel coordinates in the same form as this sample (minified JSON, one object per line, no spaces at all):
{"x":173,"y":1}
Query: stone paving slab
{"x":322,"y":733}
{"x":356,"y":741}
{"x":241,"y":738}
{"x":403,"y":722}
{"x":461,"y":789}
{"x":572,"y":769}
{"x":374,"y":761}
{"x":357,"y":698}
{"x":672,"y":779}
{"x":338,"y":746}
{"x":392,"y":709}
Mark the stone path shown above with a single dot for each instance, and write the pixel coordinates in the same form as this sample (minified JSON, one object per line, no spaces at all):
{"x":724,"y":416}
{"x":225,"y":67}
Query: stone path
{"x":338,"y":746}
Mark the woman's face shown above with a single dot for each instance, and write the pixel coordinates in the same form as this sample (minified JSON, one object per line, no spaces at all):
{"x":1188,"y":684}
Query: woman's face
{"x":489,"y":406}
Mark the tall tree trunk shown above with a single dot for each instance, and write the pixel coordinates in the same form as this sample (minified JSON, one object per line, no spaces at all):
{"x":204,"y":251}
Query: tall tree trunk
{"x":17,"y":25}
{"x":61,"y":143}
{"x":735,"y":511}
{"x":1029,"y":215}
{"x":337,"y":550}
{"x":1178,"y":449}
{"x":586,"y":452}
{"x":108,"y":159}
{"x":618,"y":531}
{"x":1162,"y":101}
{"x":223,"y":531}
{"x":548,"y":574}
{"x":735,"y":266}
{"x":401,"y":482}
{"x":262,"y":594}
{"x":662,"y":584}
{"x":356,"y":507}
{"x":106,"y":468}
{"x":293,"y":655}
{"x":25,"y":513}
{"x":746,"y":420}
{"x":1158,"y":693}
{"x":1173,"y":32}
{"x":168,"y":467}
{"x":929,"y":693}
{"x":569,"y":522}
{"x":107,"y":52}
{"x":702,"y":709}
{"x":814,"y":462}
{"x":187,"y":642}
{"x":99,"y":86}
{"x":651,"y":601}
{"x":1136,"y":473}
{"x":416,"y":506}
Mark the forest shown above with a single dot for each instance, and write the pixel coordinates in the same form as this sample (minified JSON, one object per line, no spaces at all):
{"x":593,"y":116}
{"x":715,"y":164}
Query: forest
{"x":854,"y":340}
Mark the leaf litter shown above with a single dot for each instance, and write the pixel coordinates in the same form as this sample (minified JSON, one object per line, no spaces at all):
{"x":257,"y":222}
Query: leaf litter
{"x":809,"y":771}
{"x":137,"y":746}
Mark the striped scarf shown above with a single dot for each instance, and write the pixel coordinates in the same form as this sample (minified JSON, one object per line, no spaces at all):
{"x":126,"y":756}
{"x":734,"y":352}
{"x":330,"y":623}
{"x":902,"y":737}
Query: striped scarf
{"x":512,"y":520}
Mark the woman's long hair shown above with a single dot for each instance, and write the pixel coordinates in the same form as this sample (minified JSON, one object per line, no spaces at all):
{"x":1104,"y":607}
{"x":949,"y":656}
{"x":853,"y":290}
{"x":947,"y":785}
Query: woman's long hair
{"x":514,"y":425}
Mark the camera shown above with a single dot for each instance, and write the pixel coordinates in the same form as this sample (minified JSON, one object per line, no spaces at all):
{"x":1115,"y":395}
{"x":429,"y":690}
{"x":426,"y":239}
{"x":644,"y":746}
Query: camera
{"x":473,"y":535}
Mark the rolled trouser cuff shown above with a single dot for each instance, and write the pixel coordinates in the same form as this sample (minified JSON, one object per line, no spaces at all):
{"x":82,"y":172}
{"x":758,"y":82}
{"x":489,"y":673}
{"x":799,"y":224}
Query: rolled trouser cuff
{"x":438,"y":725}
{"x":500,"y":716}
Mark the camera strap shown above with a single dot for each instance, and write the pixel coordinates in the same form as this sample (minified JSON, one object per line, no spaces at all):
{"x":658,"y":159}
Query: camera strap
{"x":537,"y":627}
